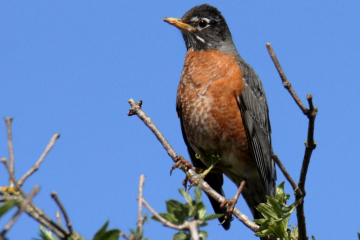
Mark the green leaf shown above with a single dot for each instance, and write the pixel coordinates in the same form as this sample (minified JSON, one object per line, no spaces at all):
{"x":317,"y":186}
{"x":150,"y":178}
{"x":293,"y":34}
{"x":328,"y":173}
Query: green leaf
{"x":155,"y":218}
{"x":103,"y":234}
{"x":46,"y":235}
{"x":203,"y":235}
{"x":186,"y":196}
{"x":181,"y":236}
{"x":200,"y":210}
{"x":170,"y":217}
{"x":290,"y":209}
{"x":275,"y":205}
{"x":111,"y":235}
{"x":6,"y":206}
{"x":266,"y":211}
{"x":198,"y":194}
{"x":102,"y":230}
{"x":173,"y":205}
{"x":263,"y":233}
{"x":211,"y":216}
{"x":359,"y":236}
{"x":280,"y":193}
{"x":181,"y":215}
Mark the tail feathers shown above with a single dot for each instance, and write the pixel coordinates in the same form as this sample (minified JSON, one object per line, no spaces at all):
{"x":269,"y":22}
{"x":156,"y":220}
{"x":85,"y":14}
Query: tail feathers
{"x":215,"y":180}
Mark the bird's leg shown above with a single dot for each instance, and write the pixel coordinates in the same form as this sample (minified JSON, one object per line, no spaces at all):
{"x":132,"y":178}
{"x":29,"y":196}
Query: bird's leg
{"x":230,"y":203}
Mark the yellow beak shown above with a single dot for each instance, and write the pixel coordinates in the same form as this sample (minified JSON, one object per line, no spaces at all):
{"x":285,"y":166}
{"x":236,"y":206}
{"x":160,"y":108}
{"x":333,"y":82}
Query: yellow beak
{"x":179,"y":24}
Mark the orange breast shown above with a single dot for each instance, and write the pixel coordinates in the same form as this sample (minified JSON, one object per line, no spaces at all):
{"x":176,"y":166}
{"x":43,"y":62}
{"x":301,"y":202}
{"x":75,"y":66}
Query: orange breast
{"x":207,"y":94}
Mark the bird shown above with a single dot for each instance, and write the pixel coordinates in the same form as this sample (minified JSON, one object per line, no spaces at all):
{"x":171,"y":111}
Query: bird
{"x":223,"y":112}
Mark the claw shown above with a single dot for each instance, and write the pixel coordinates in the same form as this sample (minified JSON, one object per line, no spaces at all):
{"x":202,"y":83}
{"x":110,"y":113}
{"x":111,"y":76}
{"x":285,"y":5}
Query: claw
{"x":184,"y":183}
{"x":230,"y":203}
{"x":180,"y":161}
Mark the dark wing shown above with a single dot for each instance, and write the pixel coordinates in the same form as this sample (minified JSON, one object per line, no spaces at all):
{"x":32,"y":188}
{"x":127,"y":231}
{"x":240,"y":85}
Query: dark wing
{"x":255,"y":115}
{"x":215,"y":180}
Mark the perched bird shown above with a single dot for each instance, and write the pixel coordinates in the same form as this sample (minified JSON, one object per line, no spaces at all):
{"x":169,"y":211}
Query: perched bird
{"x":223,"y":111}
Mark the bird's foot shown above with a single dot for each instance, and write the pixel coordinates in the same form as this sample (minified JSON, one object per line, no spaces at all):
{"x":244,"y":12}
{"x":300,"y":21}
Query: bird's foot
{"x":179,"y":163}
{"x":230,"y":203}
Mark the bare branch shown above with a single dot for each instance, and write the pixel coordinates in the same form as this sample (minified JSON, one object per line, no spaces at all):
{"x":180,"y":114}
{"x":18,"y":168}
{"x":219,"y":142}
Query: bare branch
{"x":33,"y":211}
{"x":41,"y":159}
{"x":163,"y":220}
{"x":194,"y":178}
{"x":295,"y":187}
{"x":135,"y":109}
{"x":284,"y":79}
{"x":58,"y":218}
{"x":124,"y":236}
{"x":20,"y":210}
{"x":62,"y":209}
{"x":8,"y":122}
{"x":310,"y":144}
{"x":193,"y":228}
{"x":140,"y":221}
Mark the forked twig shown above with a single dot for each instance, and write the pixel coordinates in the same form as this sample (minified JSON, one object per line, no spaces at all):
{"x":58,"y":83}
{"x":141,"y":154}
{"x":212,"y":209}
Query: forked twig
{"x":41,"y":159}
{"x":35,"y":212}
{"x":20,"y":210}
{"x":62,"y":209}
{"x":310,"y":144}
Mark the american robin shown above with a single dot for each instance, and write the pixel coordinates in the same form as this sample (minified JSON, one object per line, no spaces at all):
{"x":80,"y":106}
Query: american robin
{"x":223,"y":112}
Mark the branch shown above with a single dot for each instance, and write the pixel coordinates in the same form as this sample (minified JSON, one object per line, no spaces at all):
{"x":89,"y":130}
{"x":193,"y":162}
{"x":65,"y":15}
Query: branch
{"x":33,"y":211}
{"x":20,"y":210}
{"x":8,"y":122}
{"x":194,"y":178}
{"x":193,"y":228}
{"x":140,"y":221}
{"x":184,"y":226}
{"x":135,"y":109}
{"x":310,"y":144}
{"x":295,"y":187}
{"x":284,"y":79}
{"x":41,"y":159}
{"x":58,"y":218}
{"x":62,"y":209}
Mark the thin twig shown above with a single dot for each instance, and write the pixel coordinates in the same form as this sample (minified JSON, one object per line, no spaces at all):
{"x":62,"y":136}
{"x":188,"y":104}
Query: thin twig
{"x":184,"y":226}
{"x":310,"y":144}
{"x":136,"y":109}
{"x":41,"y":159}
{"x":124,"y":236}
{"x":35,"y":212}
{"x":20,"y":210}
{"x":62,"y":209}
{"x":140,"y":221}
{"x":8,"y":122}
{"x":295,"y":187}
{"x":284,"y":79}
{"x":194,"y":178}
{"x":58,"y":218}
{"x":158,"y":216}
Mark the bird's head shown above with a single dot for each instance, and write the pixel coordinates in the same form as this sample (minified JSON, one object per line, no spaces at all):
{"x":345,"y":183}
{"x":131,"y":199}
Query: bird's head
{"x":204,"y":28}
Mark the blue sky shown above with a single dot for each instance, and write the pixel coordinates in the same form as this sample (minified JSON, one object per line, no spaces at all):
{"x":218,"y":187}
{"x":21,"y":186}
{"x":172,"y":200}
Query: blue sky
{"x":70,"y":66}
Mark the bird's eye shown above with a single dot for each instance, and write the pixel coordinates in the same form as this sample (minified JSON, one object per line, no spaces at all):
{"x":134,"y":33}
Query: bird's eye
{"x":203,"y":23}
